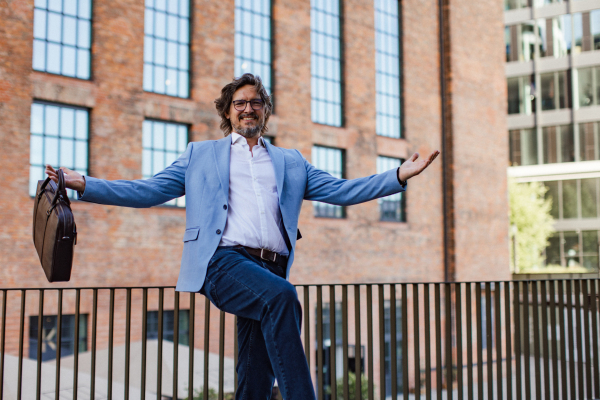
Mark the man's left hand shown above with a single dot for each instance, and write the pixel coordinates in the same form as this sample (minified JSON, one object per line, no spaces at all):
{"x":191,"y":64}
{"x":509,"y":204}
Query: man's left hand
{"x":412,"y":167}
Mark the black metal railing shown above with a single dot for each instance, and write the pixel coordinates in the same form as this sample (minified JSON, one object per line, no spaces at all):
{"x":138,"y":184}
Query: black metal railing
{"x":484,"y":340}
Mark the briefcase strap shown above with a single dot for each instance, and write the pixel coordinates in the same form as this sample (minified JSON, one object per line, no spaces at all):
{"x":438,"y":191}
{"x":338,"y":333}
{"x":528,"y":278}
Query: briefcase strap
{"x":61,"y":191}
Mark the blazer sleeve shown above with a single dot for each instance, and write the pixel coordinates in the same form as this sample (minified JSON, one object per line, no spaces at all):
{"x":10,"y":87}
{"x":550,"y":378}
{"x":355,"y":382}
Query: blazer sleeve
{"x":321,"y":186}
{"x":162,"y":187}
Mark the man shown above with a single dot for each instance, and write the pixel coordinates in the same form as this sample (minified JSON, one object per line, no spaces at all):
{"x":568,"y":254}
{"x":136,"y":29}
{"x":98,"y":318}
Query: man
{"x":243,"y":200}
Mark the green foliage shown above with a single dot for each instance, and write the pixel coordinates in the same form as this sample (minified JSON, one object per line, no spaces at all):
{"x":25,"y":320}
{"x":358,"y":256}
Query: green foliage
{"x":364,"y":388}
{"x":531,"y":222}
{"x":199,"y":394}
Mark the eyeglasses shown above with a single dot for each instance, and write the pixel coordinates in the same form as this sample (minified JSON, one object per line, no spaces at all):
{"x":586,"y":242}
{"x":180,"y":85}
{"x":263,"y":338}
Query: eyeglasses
{"x":256,"y":104}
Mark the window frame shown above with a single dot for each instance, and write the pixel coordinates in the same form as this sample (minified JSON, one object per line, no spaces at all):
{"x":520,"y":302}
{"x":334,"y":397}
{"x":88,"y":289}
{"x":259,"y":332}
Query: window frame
{"x":72,"y":194}
{"x":268,"y":84}
{"x":343,"y":176}
{"x":164,"y":150}
{"x":45,"y":40}
{"x":152,"y":64}
{"x":400,"y":76}
{"x":314,"y":78}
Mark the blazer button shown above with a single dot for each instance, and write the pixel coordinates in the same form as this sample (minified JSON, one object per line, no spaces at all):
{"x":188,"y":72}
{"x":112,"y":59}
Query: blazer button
{"x":225,"y":207}
{"x":218,"y":231}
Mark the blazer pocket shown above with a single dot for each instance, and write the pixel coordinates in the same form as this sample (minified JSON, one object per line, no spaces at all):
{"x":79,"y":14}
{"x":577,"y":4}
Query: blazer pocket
{"x":191,"y":234}
{"x":292,"y":164}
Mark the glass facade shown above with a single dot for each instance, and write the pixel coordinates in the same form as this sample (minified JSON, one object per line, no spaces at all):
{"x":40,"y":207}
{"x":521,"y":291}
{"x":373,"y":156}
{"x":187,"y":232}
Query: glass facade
{"x":59,"y":137}
{"x":167,"y":47}
{"x":253,"y":39}
{"x":391,"y":208}
{"x":331,"y":161}
{"x":62,"y":37}
{"x":387,"y":64}
{"x":326,"y":68}
{"x":162,"y":144}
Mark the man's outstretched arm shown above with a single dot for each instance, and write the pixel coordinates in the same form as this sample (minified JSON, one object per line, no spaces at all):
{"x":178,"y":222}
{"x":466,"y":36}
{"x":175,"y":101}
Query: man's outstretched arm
{"x":321,"y":186}
{"x":162,"y":187}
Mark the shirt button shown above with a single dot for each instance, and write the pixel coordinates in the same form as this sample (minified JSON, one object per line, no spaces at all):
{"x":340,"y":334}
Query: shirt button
{"x":224,"y":206}
{"x":218,"y":231}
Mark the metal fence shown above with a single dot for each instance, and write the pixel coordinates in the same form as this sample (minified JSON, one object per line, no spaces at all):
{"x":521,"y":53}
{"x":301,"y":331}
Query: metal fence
{"x":483,"y":340}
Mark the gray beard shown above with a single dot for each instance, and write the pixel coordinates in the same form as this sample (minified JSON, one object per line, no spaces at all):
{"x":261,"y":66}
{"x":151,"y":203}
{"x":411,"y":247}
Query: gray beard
{"x":249,"y":132}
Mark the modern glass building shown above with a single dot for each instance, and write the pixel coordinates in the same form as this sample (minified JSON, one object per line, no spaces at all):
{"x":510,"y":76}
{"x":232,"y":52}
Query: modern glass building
{"x":553,"y":81}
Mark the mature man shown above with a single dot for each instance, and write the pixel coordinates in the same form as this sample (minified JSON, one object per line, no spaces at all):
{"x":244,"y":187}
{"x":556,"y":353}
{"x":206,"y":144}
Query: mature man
{"x":243,"y":200}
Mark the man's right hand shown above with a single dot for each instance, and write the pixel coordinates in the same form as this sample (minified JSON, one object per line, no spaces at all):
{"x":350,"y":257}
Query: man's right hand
{"x":73,"y":180}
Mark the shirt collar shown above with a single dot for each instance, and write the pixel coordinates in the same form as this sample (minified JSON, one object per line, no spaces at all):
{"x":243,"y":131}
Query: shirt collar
{"x":236,"y":136}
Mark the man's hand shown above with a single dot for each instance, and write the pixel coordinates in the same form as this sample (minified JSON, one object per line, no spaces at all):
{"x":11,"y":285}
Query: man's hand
{"x":73,"y":180}
{"x":412,"y":167}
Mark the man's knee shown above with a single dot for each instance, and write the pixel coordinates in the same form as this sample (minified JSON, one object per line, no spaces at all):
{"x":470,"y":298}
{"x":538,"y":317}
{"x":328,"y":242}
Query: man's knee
{"x":286,"y":294}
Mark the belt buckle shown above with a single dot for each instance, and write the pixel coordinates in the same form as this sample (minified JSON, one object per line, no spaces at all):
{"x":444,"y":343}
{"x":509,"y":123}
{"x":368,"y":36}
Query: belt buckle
{"x":266,"y":259}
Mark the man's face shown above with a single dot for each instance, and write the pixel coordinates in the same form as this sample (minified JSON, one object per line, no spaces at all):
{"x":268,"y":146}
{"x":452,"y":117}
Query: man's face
{"x":247,"y":122}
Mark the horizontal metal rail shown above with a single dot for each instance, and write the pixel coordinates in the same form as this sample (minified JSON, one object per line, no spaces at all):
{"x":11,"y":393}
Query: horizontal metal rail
{"x":535,"y":339}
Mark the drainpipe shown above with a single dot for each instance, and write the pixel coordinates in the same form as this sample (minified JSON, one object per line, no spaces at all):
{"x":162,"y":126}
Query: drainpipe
{"x":446,"y":129}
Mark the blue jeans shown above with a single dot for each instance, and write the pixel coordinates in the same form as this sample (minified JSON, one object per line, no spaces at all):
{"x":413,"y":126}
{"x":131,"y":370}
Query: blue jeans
{"x":269,"y":324}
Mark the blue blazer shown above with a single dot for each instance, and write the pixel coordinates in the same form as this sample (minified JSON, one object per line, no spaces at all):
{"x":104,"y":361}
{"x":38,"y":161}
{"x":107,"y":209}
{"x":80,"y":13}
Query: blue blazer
{"x":202,"y":175}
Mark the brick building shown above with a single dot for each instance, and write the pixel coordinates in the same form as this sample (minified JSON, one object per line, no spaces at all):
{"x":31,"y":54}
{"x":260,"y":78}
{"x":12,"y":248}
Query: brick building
{"x":115,"y":89}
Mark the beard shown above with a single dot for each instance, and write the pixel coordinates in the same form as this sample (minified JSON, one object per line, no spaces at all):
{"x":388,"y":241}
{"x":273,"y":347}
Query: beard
{"x":249,"y":132}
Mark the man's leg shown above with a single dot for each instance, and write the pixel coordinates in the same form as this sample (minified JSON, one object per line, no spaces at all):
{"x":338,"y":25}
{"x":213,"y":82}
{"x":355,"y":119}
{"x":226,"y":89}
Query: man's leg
{"x":255,"y":374}
{"x":237,"y":284}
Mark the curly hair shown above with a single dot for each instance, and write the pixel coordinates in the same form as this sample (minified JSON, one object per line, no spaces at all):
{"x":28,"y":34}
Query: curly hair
{"x":223,"y":103}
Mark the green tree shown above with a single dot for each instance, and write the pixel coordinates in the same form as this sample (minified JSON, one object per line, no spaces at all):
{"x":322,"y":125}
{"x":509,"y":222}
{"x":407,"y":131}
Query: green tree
{"x":531,"y":224}
{"x":364,"y":388}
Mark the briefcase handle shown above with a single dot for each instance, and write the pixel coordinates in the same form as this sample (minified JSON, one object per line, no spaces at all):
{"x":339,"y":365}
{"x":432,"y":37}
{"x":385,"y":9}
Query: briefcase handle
{"x":60,"y":190}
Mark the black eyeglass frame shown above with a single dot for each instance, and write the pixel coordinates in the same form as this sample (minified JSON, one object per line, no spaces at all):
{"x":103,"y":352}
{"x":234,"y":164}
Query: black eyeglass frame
{"x":259,"y":103}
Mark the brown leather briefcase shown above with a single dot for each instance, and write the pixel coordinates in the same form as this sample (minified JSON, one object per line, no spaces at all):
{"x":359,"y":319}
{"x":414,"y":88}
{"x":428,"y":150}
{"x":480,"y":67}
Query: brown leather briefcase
{"x":54,"y":230}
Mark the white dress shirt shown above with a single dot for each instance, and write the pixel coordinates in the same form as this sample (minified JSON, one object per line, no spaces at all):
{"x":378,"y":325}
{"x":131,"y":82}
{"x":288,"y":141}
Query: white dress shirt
{"x":253,"y":215}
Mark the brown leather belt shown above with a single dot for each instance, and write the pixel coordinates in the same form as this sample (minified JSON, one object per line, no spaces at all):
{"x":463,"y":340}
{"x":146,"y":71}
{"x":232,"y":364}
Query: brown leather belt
{"x":267,"y":255}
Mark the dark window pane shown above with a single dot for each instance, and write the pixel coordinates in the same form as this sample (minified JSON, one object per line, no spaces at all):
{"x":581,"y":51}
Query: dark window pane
{"x":549,"y":92}
{"x":590,"y":249}
{"x":588,"y":141}
{"x":586,"y":87}
{"x":523,"y":147}
{"x":589,"y":198}
{"x":571,"y":249}
{"x":551,"y":146}
{"x":168,"y":325}
{"x":553,"y":250}
{"x":514,"y":100}
{"x":552,"y":194}
{"x":49,"y":336}
{"x":569,"y":192}
{"x":567,"y":144}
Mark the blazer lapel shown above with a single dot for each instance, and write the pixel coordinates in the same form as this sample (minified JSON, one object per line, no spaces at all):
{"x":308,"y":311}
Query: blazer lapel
{"x":278,"y":165}
{"x":222,"y":152}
